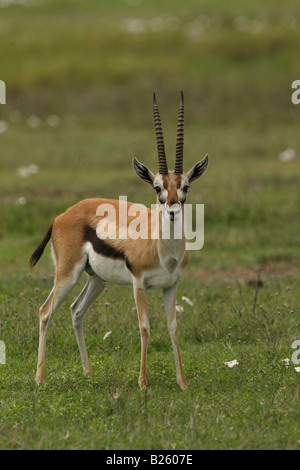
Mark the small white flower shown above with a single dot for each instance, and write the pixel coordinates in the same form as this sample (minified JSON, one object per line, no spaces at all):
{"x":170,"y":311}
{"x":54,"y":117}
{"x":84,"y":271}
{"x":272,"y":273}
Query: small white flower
{"x":231,"y":363}
{"x":157,"y":24}
{"x":290,"y":22}
{"x":33,"y":121}
{"x":297,"y":369}
{"x":287,"y":155}
{"x":179,"y":308}
{"x":287,"y":362}
{"x":134,"y":25}
{"x":241,"y":23}
{"x":187,"y":300}
{"x":53,"y":120}
{"x":21,"y":201}
{"x":107,"y":334}
{"x":25,"y":171}
{"x":33,"y":169}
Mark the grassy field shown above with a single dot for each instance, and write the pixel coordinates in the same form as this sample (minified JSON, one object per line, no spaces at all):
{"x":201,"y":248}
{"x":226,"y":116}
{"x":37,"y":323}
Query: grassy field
{"x":80,"y":77}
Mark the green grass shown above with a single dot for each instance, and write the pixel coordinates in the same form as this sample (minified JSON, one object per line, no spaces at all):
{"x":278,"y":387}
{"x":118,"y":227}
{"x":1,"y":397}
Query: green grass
{"x":79,"y":61}
{"x":254,"y":405}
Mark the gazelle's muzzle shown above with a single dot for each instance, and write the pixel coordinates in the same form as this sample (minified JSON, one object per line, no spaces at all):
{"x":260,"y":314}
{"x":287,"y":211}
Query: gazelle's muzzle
{"x":173,"y":211}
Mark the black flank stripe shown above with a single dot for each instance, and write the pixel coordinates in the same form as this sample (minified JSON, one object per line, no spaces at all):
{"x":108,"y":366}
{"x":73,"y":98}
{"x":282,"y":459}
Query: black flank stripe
{"x":103,"y":248}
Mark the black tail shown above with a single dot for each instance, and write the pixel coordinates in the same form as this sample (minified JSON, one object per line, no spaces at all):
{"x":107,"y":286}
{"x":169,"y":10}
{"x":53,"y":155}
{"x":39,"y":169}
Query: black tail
{"x":40,"y":249}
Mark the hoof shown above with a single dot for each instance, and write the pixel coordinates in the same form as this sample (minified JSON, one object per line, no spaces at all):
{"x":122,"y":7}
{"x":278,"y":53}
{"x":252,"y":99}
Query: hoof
{"x":183,"y":385}
{"x":40,"y":381}
{"x":143,"y":384}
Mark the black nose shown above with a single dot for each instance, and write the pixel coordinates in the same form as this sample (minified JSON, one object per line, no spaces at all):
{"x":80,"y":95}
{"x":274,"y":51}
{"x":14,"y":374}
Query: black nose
{"x":172,"y":201}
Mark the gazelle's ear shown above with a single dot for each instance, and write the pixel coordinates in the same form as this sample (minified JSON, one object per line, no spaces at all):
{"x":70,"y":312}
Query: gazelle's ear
{"x":143,"y":171}
{"x":198,"y":169}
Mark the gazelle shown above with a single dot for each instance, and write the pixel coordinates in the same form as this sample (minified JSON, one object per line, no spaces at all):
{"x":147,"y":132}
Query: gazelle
{"x":79,"y":244}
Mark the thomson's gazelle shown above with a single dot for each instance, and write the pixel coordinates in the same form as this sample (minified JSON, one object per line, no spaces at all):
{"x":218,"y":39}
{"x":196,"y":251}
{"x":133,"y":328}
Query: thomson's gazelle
{"x":80,"y":243}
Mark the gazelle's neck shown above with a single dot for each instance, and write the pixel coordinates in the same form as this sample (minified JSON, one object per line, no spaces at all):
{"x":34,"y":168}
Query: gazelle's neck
{"x":171,"y":242}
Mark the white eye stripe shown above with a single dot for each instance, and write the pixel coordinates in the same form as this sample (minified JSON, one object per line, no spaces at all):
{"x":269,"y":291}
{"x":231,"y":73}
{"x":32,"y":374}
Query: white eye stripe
{"x":181,"y":195}
{"x":163,"y":195}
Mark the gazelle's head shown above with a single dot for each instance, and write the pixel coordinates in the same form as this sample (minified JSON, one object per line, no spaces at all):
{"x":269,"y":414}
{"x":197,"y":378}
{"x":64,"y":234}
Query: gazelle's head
{"x":171,"y":186}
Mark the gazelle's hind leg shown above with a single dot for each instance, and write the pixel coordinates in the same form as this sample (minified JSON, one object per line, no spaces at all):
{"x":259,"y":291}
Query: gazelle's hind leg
{"x":59,"y":293}
{"x":90,"y":292}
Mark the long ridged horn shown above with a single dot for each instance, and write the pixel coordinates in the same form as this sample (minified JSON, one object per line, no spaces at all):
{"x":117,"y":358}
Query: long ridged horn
{"x":179,"y":141}
{"x":162,"y":161}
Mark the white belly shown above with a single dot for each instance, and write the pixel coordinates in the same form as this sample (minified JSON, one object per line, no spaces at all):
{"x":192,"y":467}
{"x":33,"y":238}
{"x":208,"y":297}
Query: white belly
{"x":109,"y":269}
{"x":115,"y":271}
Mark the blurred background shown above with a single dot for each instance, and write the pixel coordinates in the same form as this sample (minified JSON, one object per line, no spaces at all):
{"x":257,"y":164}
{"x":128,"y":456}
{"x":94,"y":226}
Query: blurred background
{"x":79,"y":82}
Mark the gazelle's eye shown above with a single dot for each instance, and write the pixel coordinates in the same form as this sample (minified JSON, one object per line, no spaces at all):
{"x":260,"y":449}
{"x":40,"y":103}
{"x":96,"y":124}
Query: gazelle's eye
{"x":157,"y":189}
{"x":185,"y":189}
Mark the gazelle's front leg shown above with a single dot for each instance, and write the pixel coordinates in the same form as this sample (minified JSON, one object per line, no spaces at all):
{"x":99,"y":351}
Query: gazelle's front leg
{"x":141,"y":305}
{"x":169,"y":296}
